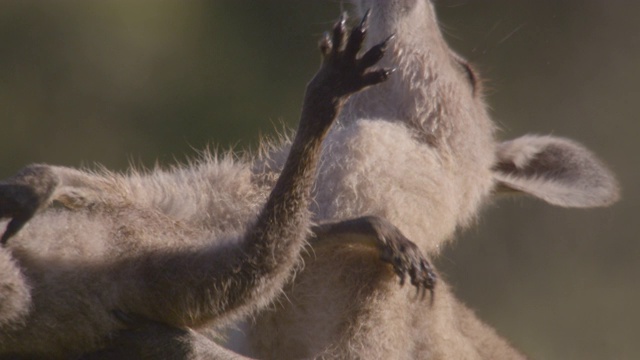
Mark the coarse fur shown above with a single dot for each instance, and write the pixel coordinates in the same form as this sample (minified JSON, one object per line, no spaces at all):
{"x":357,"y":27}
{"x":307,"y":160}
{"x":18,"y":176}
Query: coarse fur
{"x":66,"y":272}
{"x":418,"y":151}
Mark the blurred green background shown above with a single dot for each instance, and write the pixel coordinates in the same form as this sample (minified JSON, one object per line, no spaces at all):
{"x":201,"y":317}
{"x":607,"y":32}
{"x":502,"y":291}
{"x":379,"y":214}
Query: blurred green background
{"x":116,"y":82}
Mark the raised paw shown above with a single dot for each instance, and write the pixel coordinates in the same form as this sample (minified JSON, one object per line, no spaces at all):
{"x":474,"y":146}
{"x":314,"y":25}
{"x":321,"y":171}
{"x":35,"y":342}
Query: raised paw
{"x":22,"y":195}
{"x":343,"y":72}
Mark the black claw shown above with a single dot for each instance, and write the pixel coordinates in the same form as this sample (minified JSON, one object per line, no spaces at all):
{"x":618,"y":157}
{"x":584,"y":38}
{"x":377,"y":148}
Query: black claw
{"x":402,"y":276}
{"x":388,"y":40}
{"x":373,"y":55}
{"x":325,"y":44}
{"x":356,"y":38}
{"x":388,"y":72}
{"x":364,"y":23}
{"x":414,"y":276}
{"x":339,"y":32}
{"x":375,"y":77}
{"x":422,"y":277}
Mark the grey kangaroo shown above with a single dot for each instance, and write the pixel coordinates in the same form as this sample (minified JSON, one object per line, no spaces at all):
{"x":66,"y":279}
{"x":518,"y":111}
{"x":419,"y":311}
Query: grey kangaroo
{"x":419,"y":151}
{"x":65,"y":272}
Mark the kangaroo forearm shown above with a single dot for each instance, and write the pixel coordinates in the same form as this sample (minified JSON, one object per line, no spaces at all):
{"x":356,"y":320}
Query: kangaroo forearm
{"x":272,"y":244}
{"x":268,"y":253}
{"x":195,"y":286}
{"x":291,"y":193}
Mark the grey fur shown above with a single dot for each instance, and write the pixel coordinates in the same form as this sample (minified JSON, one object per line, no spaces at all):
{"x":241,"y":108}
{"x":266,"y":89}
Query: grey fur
{"x":557,"y":170}
{"x":418,"y":151}
{"x":66,"y":271}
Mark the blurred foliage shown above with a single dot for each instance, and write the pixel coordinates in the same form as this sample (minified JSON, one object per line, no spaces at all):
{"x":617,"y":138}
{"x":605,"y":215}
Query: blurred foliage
{"x":141,"y":81}
{"x":149,"y":78}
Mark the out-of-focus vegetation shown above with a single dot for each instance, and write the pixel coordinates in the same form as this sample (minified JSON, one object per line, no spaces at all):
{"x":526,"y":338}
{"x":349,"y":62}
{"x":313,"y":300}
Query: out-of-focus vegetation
{"x":144,"y":81}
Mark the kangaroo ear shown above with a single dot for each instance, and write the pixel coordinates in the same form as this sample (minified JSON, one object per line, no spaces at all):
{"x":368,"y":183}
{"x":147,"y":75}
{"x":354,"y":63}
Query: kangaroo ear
{"x":556,"y":170}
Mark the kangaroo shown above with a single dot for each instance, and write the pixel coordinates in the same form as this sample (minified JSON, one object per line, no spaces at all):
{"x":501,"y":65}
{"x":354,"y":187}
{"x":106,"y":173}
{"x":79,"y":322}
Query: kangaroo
{"x":418,"y":151}
{"x":62,"y":275}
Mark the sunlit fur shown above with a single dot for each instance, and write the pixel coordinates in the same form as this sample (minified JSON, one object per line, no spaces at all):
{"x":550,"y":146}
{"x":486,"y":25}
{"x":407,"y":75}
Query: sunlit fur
{"x":418,"y":150}
{"x":185,"y":247}
{"x":106,"y":218}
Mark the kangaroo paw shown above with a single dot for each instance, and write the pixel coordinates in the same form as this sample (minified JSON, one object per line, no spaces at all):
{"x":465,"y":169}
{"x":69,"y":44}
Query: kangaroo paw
{"x":406,"y":259}
{"x":343,"y":72}
{"x":394,"y":248}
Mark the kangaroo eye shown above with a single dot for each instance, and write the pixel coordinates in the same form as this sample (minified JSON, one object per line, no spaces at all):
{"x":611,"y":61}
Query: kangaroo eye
{"x":468,"y":71}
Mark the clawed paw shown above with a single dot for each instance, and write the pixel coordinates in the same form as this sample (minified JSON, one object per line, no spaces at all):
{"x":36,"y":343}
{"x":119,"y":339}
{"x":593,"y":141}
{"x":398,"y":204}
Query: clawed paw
{"x":394,"y":248}
{"x":343,"y":71}
{"x":407,"y":259}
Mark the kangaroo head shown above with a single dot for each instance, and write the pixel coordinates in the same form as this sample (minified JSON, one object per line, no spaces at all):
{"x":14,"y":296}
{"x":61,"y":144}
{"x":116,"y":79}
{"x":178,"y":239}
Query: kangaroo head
{"x":436,"y":96}
{"x":434,"y":91}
